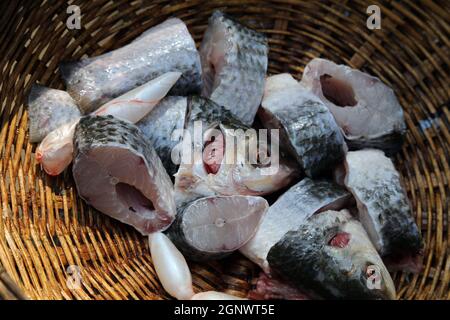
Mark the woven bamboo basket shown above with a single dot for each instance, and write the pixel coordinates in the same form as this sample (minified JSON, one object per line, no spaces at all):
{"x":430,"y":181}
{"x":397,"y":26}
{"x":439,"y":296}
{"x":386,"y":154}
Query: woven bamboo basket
{"x":45,"y":228}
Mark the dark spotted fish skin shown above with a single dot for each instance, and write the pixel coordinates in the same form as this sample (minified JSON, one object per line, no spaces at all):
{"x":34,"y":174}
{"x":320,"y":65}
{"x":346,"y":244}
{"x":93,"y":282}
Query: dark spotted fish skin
{"x":306,"y":258}
{"x":390,"y":143}
{"x":163,"y":48}
{"x":306,"y":126}
{"x":382,"y":203}
{"x":160,"y":128}
{"x":49,"y":109}
{"x":210,"y":114}
{"x":234,"y":62}
{"x":94,"y":133}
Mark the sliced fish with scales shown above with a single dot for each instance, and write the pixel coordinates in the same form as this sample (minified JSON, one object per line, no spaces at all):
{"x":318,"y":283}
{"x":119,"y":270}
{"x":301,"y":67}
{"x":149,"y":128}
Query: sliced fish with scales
{"x":365,"y":108}
{"x":307,"y":129}
{"x":163,"y":127}
{"x":163,"y":48}
{"x":383,"y":207}
{"x":234,"y":62}
{"x":117,"y":172}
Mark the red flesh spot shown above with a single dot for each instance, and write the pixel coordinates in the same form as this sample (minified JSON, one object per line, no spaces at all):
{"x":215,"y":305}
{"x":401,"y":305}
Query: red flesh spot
{"x":213,"y":154}
{"x":340,"y":240}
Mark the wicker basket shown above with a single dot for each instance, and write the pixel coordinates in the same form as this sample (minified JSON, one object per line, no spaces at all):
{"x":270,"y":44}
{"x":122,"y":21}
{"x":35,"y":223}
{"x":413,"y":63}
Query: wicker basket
{"x":45,"y":227}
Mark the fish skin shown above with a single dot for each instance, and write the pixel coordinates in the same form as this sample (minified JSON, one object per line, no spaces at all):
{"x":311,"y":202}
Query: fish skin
{"x":193,"y":181}
{"x":249,"y":209}
{"x":305,"y":258}
{"x":163,"y":48}
{"x":291,"y":210}
{"x":48,"y":109}
{"x":382,"y":204}
{"x":160,"y":125}
{"x":376,"y":121}
{"x":234,"y":69}
{"x":97,"y":179}
{"x":307,"y":128}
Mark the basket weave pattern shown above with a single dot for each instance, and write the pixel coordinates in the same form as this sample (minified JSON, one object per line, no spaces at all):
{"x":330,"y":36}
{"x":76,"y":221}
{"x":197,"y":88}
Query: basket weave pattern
{"x":45,"y":227}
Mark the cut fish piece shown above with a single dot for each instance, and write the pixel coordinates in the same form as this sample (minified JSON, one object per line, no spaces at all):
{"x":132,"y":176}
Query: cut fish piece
{"x":163,"y":129}
{"x":214,"y":227}
{"x":224,"y":166}
{"x":307,"y":128}
{"x":382,"y":205}
{"x":366,"y":109}
{"x":290,"y":211}
{"x":331,"y":257}
{"x":117,"y":172}
{"x":49,"y":109}
{"x":234,"y":62}
{"x":161,"y":49}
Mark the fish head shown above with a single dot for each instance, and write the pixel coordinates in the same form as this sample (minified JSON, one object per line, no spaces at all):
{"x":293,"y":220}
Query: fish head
{"x":255,"y":163}
{"x":331,"y":256}
{"x":54,"y":153}
{"x":352,"y":257}
{"x":234,"y":161}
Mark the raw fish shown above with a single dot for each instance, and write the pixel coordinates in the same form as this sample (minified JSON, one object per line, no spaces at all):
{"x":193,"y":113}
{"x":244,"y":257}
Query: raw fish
{"x":234,"y":62}
{"x":214,"y":227}
{"x":117,"y":172}
{"x":307,"y":128}
{"x":366,"y":109}
{"x":167,"y":47}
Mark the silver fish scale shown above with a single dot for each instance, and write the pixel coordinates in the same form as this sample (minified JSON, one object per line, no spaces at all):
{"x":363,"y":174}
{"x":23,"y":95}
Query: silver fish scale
{"x":239,"y":85}
{"x":315,"y":139}
{"x":161,"y":49}
{"x":159,"y":127}
{"x":95,"y":131}
{"x":376,"y":185}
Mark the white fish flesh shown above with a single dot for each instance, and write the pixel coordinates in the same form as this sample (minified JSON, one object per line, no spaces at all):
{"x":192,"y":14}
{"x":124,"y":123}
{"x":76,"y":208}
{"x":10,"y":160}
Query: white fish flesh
{"x":117,"y":172}
{"x":171,"y":267}
{"x":214,"y":295}
{"x":214,"y":227}
{"x":366,"y":109}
